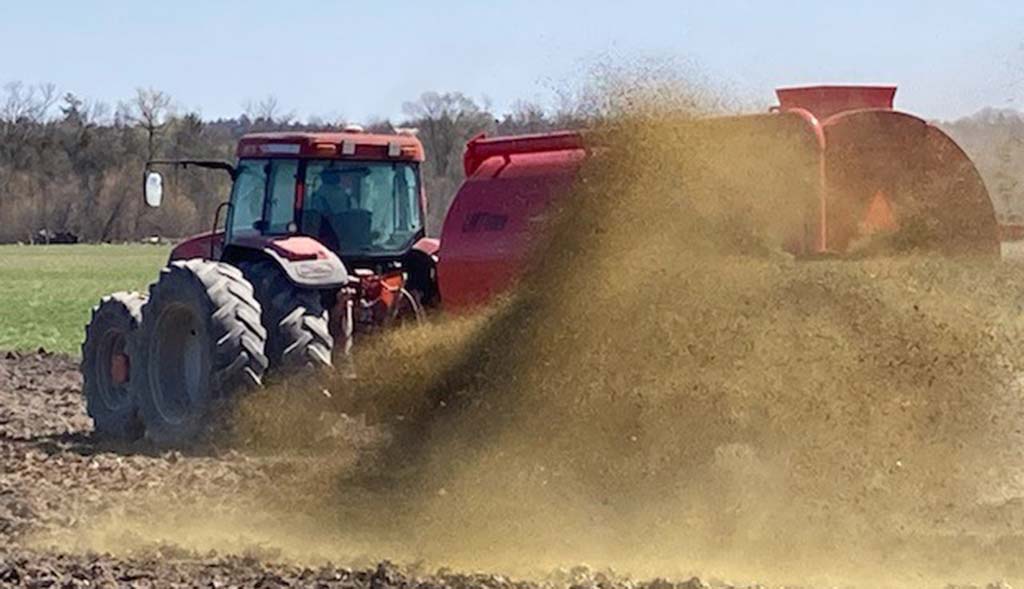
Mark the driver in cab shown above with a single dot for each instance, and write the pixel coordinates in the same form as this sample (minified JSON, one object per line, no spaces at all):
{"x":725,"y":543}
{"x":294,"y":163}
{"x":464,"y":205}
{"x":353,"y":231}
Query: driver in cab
{"x":336,"y":216}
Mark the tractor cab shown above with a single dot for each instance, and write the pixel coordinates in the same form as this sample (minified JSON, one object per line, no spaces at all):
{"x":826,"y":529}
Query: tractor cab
{"x":338,"y":213}
{"x":358,"y":194}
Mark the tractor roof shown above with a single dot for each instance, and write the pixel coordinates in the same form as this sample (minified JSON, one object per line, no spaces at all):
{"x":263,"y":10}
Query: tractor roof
{"x":333,"y":145}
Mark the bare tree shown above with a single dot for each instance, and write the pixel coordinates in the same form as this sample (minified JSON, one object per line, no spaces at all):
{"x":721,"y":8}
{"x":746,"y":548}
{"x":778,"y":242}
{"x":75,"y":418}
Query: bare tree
{"x":23,"y":110}
{"x":446,"y":122}
{"x":267,"y":112}
{"x":26,"y":103}
{"x":525,"y":117}
{"x":150,"y":110}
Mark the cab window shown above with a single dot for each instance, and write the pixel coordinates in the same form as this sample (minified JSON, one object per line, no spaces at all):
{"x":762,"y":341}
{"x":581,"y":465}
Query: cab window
{"x":264,"y":189}
{"x":283,"y":178}
{"x":364,"y":208}
{"x":248,"y":197}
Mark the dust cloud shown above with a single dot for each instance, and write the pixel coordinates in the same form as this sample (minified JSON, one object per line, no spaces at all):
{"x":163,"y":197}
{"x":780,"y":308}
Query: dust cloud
{"x":666,"y":393}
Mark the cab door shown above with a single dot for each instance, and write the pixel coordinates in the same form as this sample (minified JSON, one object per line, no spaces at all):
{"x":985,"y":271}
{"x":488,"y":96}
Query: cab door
{"x":263,"y":199}
{"x":248,"y":199}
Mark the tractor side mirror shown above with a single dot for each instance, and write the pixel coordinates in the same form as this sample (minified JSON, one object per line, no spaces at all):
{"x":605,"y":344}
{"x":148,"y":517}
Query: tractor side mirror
{"x":154,"y":189}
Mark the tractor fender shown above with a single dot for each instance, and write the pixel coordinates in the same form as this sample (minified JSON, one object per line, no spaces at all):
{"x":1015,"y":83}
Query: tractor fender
{"x":421,"y":263}
{"x":205,"y":246}
{"x":429,"y":246}
{"x":307,"y":262}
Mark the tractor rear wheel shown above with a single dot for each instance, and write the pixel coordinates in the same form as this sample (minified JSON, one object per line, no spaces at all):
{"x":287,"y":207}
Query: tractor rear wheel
{"x":106,"y":357}
{"x":200,"y":341}
{"x":297,"y":324}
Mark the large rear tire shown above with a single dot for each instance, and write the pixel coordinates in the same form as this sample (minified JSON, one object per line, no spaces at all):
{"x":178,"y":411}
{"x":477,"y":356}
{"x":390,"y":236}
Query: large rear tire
{"x":106,"y":357}
{"x":200,"y":342}
{"x":297,"y":324}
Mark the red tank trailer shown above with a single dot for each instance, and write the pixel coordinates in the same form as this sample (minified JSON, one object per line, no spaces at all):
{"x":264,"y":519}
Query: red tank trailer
{"x":499,"y":210}
{"x":874,"y":169}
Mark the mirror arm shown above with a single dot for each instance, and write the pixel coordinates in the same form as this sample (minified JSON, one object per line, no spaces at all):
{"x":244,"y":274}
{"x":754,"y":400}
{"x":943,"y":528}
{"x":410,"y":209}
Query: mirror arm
{"x":222,"y":165}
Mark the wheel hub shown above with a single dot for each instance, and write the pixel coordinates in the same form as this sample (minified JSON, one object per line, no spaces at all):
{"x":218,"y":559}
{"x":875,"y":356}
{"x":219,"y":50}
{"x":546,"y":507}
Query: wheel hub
{"x":177,"y":366}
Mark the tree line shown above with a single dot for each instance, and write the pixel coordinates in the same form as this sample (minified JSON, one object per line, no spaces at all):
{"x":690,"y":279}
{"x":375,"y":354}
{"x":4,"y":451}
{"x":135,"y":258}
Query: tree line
{"x":73,"y":166}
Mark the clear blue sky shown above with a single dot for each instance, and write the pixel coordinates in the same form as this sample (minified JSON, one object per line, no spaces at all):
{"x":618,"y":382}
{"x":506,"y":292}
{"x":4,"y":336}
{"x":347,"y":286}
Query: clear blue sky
{"x":360,"y":59}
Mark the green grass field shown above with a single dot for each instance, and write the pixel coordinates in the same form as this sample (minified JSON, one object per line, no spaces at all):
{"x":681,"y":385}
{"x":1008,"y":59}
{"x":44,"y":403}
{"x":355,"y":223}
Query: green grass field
{"x":46,"y":292}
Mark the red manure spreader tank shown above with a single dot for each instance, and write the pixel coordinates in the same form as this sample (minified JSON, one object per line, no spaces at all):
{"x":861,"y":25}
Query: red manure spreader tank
{"x":865,"y":169}
{"x":496,"y":218}
{"x":324,"y":238}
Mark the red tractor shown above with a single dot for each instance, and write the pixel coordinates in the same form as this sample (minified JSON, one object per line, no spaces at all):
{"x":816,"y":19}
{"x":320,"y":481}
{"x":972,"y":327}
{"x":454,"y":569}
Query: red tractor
{"x":324,"y":237}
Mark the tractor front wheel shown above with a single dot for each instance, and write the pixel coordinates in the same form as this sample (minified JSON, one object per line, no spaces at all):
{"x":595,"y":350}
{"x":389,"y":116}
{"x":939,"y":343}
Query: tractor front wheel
{"x":297,"y":324}
{"x":106,"y":358}
{"x":200,"y":341}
